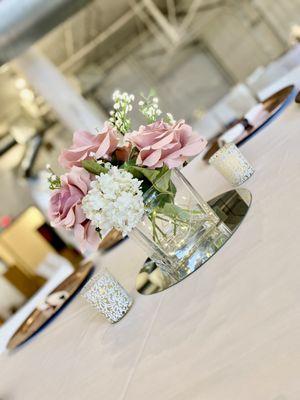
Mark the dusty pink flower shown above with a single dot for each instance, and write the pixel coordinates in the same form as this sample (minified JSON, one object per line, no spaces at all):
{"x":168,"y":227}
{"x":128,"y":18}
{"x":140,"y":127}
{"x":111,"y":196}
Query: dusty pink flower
{"x":101,"y":145}
{"x":65,"y":207}
{"x":86,"y":235}
{"x":161,"y":143}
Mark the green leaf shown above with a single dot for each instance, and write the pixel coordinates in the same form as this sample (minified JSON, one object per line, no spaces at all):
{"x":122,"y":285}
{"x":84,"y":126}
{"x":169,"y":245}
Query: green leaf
{"x":160,"y":179}
{"x":150,"y":174}
{"x":140,"y":172}
{"x":93,"y":167}
{"x":175,"y":212}
{"x":162,"y":183}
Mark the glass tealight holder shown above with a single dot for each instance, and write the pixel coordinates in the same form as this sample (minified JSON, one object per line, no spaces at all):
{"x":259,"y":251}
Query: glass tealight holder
{"x":107,"y":296}
{"x":231,"y":163}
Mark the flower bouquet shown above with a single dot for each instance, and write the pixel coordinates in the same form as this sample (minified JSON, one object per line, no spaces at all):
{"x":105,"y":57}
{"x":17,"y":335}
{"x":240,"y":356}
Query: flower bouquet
{"x":123,"y":179}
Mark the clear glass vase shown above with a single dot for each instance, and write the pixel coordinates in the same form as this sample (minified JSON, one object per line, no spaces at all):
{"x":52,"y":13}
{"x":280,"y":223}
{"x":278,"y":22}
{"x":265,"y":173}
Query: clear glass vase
{"x":179,"y":230}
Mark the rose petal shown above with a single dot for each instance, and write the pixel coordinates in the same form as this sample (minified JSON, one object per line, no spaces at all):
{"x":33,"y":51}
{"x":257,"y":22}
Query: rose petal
{"x":84,"y":143}
{"x":151,"y":159}
{"x":160,"y":143}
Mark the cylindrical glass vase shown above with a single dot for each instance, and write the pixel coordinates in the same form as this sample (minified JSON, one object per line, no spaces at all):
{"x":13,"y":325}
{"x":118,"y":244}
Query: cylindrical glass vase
{"x":179,"y":230}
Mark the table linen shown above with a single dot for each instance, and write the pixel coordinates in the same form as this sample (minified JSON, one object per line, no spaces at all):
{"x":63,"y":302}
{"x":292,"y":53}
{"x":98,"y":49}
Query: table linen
{"x":229,"y":331}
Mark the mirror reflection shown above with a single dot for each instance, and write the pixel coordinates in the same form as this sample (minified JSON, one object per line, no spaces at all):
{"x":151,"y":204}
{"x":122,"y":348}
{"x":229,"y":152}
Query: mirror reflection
{"x":231,"y":207}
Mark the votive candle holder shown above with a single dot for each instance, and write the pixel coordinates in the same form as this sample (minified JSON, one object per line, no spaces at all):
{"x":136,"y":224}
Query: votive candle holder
{"x":107,"y":296}
{"x":232,"y":164}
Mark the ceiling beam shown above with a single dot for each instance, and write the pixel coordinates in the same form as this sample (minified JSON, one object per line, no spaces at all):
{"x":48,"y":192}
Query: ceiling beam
{"x":181,"y":12}
{"x":190,"y":15}
{"x":172,"y":14}
{"x":69,"y":40}
{"x":25,"y":22}
{"x":94,"y":43}
{"x":152,"y":27}
{"x":169,"y":30}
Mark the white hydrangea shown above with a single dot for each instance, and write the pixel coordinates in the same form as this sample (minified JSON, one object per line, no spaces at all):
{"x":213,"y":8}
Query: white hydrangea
{"x":115,"y":200}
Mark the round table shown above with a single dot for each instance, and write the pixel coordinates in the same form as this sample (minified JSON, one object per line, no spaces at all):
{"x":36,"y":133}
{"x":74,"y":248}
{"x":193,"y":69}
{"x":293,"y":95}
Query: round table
{"x":229,"y":331}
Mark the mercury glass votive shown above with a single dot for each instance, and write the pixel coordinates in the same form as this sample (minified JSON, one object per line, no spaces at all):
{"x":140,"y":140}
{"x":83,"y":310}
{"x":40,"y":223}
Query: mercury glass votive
{"x":106,"y":294}
{"x":231,"y":163}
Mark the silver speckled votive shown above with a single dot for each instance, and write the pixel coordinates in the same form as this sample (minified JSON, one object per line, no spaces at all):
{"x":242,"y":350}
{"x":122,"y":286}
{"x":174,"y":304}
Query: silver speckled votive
{"x":106,"y":294}
{"x":231,"y":163}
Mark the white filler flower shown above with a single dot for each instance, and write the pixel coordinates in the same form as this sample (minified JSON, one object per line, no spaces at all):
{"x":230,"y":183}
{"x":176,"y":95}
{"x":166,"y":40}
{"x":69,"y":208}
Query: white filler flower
{"x":114,"y":201}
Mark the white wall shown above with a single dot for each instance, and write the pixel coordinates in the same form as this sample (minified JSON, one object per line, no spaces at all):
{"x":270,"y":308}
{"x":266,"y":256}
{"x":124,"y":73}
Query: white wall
{"x":9,"y":297}
{"x":280,"y":14}
{"x":241,"y":40}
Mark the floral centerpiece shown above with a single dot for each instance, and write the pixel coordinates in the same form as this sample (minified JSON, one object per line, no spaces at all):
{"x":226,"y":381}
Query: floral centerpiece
{"x":110,"y":172}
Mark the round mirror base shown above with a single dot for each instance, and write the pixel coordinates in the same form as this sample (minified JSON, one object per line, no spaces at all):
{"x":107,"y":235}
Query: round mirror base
{"x":231,"y":207}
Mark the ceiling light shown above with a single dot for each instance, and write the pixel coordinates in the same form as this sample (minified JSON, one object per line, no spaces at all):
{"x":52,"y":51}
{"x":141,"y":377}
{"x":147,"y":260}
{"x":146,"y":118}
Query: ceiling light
{"x":20,"y":83}
{"x":26,"y":95}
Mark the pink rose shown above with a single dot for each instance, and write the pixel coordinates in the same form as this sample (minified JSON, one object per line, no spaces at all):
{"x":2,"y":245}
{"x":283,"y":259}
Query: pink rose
{"x":161,"y":143}
{"x":84,"y":143}
{"x":86,"y":236}
{"x":66,"y":211}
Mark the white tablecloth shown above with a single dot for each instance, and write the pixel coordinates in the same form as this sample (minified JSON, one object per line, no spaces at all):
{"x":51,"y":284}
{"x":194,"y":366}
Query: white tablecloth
{"x":231,"y":331}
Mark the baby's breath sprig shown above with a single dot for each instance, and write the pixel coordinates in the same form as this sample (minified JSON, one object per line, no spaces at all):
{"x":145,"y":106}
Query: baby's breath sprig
{"x":149,"y":107}
{"x":54,"y":180}
{"x":170,"y":119}
{"x":122,"y":106}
